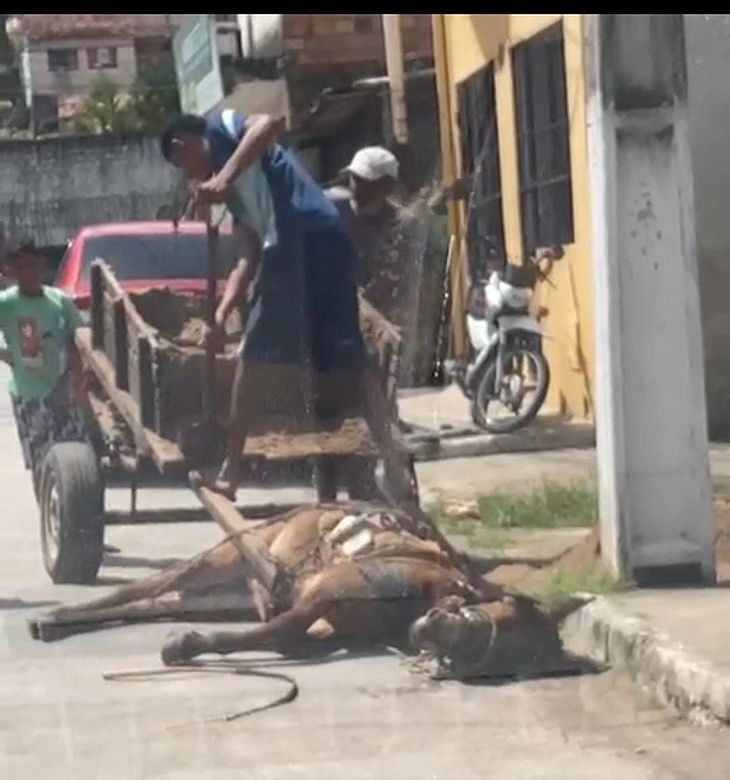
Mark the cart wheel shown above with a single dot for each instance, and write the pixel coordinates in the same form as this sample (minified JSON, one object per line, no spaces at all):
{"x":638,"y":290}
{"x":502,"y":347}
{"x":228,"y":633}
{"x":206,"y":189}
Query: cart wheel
{"x":72,"y":513}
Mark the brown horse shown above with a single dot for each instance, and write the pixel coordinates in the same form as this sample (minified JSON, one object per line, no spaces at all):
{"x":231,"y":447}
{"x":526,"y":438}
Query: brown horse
{"x":356,"y":572}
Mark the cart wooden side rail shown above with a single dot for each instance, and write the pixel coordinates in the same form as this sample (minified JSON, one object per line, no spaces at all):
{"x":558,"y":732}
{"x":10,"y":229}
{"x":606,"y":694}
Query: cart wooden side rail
{"x":126,"y":355}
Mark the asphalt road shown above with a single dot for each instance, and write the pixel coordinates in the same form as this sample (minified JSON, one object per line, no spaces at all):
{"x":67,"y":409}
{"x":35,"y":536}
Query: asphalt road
{"x":356,"y":717}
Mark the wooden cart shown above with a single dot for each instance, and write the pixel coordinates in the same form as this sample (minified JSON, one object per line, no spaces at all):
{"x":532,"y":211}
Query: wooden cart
{"x":147,"y":388}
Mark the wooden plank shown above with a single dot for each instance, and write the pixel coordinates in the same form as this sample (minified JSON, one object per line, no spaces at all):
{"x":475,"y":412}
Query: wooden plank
{"x":352,"y":437}
{"x":97,"y":311}
{"x":165,"y":454}
{"x":146,"y":384}
{"x":264,"y":571}
{"x":121,"y":347}
{"x":109,"y":281}
{"x":190,"y":515}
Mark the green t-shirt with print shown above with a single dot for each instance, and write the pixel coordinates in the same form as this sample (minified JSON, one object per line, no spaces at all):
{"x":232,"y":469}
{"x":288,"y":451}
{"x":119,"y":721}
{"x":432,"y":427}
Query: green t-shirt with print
{"x":37,"y":331}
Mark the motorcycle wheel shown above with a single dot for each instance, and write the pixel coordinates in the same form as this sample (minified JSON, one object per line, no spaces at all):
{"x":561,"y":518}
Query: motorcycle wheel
{"x":484,"y":397}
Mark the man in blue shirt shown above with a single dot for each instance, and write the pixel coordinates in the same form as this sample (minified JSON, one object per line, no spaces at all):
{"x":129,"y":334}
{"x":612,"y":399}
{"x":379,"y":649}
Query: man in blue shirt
{"x":303,"y":310}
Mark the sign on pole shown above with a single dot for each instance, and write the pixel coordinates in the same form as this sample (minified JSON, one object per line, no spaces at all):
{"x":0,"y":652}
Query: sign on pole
{"x":197,"y":64}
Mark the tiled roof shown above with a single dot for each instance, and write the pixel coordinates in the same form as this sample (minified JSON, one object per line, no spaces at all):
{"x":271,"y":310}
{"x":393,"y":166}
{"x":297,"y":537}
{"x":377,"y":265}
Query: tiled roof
{"x":48,"y":27}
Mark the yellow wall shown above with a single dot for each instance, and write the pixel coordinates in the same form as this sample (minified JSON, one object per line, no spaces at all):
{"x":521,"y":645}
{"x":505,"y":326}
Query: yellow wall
{"x":465,"y":43}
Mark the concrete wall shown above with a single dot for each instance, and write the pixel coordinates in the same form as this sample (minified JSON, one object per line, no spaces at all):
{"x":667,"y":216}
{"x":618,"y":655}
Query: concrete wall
{"x":707,"y":39}
{"x":326,"y":39}
{"x":51,"y":187}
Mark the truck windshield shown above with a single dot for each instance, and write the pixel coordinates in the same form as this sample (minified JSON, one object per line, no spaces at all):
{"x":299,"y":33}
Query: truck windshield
{"x":168,"y":256}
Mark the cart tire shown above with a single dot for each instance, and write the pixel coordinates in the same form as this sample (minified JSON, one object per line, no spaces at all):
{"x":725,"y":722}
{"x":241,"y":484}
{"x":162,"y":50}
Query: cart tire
{"x":72,"y":513}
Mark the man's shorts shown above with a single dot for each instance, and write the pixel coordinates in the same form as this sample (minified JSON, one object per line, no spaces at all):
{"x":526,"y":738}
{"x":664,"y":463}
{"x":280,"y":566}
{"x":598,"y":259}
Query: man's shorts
{"x":305,"y":307}
{"x":43,"y":423}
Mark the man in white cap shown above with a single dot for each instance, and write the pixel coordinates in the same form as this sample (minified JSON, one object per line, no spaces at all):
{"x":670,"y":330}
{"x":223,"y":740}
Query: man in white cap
{"x":384,"y":232}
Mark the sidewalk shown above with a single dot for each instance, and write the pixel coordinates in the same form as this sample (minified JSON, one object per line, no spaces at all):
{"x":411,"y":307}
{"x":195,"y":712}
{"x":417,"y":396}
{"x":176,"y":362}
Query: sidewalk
{"x":442,"y":428}
{"x":674,"y":642}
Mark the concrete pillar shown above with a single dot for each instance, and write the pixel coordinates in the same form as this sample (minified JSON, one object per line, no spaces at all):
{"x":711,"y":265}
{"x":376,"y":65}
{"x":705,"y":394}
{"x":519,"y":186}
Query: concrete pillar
{"x":654,"y":484}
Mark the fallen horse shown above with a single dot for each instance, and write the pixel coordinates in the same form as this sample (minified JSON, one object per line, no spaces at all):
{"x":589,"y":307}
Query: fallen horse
{"x":334,"y":574}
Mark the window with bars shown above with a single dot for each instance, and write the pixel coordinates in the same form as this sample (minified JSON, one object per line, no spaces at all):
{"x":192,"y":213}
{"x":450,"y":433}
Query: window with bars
{"x":543,"y":140}
{"x":62,"y":60}
{"x":101,"y":57}
{"x":480,"y":163}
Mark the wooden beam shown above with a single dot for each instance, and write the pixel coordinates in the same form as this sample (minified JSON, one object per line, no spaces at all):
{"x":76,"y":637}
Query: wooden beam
{"x":264,"y":570}
{"x":192,"y":515}
{"x":165,"y":454}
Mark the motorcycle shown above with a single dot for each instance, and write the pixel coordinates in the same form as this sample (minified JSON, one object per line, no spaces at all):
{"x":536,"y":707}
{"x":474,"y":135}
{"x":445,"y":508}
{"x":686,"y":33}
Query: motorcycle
{"x":508,"y":366}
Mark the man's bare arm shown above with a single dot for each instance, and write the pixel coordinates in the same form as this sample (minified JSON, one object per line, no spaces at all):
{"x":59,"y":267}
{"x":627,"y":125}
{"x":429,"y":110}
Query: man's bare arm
{"x":261,"y":130}
{"x":241,"y":276}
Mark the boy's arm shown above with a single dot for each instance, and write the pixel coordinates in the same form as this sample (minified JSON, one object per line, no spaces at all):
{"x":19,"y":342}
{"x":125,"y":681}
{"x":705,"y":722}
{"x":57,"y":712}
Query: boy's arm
{"x":79,"y":371}
{"x":6,"y":355}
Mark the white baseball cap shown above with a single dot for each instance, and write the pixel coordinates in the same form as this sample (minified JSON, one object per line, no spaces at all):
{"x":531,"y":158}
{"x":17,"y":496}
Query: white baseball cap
{"x":373,"y":163}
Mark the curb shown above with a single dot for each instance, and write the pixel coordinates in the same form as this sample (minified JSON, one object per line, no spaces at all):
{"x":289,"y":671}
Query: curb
{"x":438,"y":447}
{"x":607,"y":634}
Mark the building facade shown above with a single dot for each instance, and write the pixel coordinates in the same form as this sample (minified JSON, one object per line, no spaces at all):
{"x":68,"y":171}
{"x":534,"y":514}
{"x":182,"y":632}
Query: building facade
{"x":512,"y":113}
{"x":325,"y":72}
{"x":525,"y":76}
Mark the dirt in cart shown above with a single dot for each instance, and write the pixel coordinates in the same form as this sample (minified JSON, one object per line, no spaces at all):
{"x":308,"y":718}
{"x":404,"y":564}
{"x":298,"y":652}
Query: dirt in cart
{"x":181,"y":318}
{"x":286,"y":398}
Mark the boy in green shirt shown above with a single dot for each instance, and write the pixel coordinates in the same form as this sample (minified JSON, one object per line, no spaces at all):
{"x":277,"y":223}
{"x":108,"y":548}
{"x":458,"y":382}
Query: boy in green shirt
{"x":46,"y":386}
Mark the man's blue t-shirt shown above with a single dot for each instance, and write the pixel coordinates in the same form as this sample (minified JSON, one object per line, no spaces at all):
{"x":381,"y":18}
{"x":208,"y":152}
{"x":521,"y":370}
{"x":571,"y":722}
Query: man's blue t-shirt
{"x":276,"y":196}
{"x":305,"y":297}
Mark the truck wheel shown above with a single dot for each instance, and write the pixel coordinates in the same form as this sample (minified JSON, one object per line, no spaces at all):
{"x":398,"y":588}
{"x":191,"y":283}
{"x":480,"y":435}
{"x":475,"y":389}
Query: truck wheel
{"x":72,"y":513}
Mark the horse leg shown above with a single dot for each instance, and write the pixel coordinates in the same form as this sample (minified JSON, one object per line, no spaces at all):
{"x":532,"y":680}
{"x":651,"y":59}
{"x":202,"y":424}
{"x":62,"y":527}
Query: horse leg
{"x":212,"y":570}
{"x":290,"y":625}
{"x":232,"y":604}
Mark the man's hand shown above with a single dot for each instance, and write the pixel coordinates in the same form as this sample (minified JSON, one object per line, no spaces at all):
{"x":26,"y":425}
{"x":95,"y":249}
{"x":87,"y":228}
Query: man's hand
{"x":6,"y":357}
{"x":215,"y":190}
{"x":214,"y":337}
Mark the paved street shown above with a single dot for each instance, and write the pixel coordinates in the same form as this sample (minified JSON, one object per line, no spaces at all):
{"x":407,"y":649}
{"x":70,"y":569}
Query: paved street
{"x":355,"y":717}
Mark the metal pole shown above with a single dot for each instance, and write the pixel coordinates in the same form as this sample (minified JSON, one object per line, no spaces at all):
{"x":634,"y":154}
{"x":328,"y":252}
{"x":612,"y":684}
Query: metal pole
{"x":394,"y":66}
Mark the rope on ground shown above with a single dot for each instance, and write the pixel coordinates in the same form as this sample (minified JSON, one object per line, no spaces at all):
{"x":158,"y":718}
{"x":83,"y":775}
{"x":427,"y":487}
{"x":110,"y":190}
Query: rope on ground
{"x":213,"y":667}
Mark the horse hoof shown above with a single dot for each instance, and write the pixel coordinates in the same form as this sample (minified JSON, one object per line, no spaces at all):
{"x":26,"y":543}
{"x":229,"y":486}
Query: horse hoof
{"x":179,"y":647}
{"x":48,"y":631}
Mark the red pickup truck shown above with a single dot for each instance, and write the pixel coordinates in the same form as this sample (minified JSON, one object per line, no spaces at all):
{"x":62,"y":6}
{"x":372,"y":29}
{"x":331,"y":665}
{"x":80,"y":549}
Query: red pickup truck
{"x":143,"y":255}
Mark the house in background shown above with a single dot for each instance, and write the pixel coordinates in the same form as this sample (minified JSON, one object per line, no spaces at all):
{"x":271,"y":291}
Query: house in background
{"x":62,"y":54}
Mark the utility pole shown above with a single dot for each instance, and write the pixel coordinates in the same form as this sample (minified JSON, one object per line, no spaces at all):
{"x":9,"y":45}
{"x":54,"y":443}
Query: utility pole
{"x":654,"y":483}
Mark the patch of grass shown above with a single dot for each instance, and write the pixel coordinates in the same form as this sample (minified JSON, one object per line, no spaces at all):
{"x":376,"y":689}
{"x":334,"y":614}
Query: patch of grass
{"x":549,"y":505}
{"x":475,"y":534}
{"x":595,"y":579}
{"x":721,"y":487}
